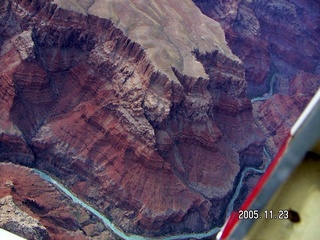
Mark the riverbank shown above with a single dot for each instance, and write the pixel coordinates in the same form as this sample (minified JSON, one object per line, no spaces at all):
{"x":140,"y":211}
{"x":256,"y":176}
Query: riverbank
{"x":127,"y":236}
{"x":116,"y":230}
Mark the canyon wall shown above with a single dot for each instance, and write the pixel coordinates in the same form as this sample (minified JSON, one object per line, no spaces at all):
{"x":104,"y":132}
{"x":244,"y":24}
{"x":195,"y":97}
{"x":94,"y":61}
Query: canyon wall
{"x":278,"y":43}
{"x":32,"y":208}
{"x":141,"y":108}
{"x":155,"y":147}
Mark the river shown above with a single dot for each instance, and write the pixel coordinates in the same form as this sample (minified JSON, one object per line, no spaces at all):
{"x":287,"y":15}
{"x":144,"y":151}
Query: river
{"x":126,"y":236}
{"x":268,"y":94}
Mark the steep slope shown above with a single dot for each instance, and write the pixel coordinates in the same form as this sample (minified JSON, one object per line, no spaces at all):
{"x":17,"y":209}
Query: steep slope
{"x":34,"y":209}
{"x":155,"y":150}
{"x":278,"y":42}
{"x":277,"y":115}
{"x":167,"y":30}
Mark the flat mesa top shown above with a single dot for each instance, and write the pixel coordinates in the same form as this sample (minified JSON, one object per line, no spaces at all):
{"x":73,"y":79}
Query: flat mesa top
{"x":167,"y":29}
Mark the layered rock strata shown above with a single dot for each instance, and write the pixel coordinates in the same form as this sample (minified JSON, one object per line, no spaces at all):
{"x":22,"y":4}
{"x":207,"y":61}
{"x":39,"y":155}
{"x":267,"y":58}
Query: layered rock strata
{"x":155,"y":150}
{"x":34,"y":209}
{"x":16,"y":221}
{"x":277,"y":115}
{"x":274,"y":39}
{"x":278,"y":42}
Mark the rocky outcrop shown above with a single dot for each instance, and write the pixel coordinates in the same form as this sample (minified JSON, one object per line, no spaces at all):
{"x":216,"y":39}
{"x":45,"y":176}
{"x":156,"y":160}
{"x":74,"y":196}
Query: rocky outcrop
{"x":230,"y":108}
{"x":18,"y":222}
{"x":155,"y":150}
{"x":167,"y":30}
{"x":34,"y":209}
{"x":272,"y":38}
{"x":278,"y":44}
{"x":277,"y":115}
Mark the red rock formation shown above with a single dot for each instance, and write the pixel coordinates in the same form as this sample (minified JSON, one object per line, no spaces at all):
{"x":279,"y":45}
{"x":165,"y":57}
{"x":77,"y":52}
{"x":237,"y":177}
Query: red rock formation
{"x":270,"y":37}
{"x":83,"y":102}
{"x":278,"y":44}
{"x":277,"y":115}
{"x":57,"y":216}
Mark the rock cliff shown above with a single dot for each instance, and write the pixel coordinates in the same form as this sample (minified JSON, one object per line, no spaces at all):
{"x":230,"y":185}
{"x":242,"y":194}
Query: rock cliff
{"x":18,"y":222}
{"x":278,"y":43}
{"x":152,"y":131}
{"x":32,"y":208}
{"x":277,"y":115}
{"x":145,"y":114}
{"x":274,"y":39}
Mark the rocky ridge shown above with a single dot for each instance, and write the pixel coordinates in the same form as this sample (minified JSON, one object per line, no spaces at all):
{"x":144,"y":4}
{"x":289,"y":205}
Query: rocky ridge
{"x":276,"y":119}
{"x":168,"y":31}
{"x":277,"y":41}
{"x":157,"y":152}
{"x":32,"y":208}
{"x":18,"y":222}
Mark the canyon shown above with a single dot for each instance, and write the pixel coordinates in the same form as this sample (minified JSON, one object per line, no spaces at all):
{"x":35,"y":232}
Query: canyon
{"x":142,"y":108}
{"x":277,"y":41}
